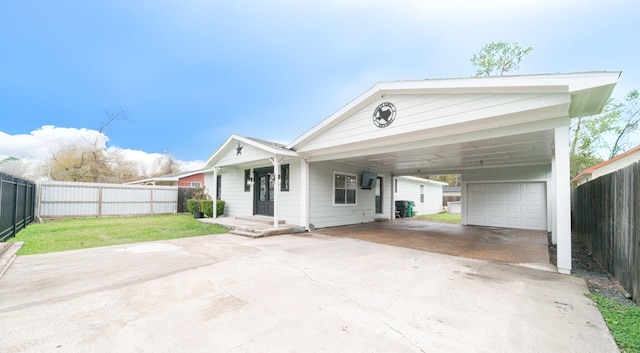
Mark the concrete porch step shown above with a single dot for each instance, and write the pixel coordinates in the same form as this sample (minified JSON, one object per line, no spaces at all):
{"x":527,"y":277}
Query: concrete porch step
{"x":246,"y":234}
{"x":251,"y":232}
{"x":259,"y":219}
{"x":250,"y":227}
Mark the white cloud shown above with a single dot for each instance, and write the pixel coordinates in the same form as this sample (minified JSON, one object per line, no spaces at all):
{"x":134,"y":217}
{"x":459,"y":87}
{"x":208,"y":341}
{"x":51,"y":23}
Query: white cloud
{"x":41,"y":143}
{"x":37,"y":146}
{"x":148,"y":162}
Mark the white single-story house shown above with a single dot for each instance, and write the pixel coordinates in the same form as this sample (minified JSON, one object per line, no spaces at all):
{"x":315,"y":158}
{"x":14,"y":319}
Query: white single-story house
{"x":606,"y":167}
{"x":425,"y":194}
{"x":507,"y":136}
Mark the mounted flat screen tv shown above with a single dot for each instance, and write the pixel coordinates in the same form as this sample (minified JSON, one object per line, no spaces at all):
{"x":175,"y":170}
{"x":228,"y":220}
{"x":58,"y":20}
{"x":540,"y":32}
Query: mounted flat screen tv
{"x":368,"y":180}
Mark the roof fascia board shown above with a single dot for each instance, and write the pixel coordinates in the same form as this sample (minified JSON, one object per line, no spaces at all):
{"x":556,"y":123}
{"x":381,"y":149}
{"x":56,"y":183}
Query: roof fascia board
{"x":252,"y":143}
{"x":256,"y":144}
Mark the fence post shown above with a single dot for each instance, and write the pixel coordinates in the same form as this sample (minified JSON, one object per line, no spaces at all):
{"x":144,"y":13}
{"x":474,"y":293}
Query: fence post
{"x":151,"y":206}
{"x":100,"y":202}
{"x":15,"y":209}
{"x":26,"y":200}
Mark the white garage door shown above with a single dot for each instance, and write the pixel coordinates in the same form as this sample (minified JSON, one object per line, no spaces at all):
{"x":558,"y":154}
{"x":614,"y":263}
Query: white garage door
{"x":509,"y":205}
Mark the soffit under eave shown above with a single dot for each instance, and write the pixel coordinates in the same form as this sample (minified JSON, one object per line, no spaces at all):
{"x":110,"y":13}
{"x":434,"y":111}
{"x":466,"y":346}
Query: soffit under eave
{"x":591,"y":101}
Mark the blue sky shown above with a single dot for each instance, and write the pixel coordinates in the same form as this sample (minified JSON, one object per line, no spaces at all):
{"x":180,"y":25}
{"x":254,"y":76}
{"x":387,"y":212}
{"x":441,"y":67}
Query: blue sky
{"x":190,"y":73}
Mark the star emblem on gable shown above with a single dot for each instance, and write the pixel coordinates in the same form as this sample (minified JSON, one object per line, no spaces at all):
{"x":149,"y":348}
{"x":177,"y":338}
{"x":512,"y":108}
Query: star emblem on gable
{"x":239,"y":150}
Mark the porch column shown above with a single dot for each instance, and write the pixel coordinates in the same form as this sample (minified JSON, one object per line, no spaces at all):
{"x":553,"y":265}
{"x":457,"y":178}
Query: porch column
{"x":393,"y":197}
{"x":563,"y":199}
{"x":276,"y":188}
{"x":304,"y":193}
{"x":551,"y":202}
{"x":214,"y":197}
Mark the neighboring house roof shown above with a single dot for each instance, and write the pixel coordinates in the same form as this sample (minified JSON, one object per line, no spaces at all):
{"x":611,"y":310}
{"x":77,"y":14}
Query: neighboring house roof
{"x":421,"y":180}
{"x":172,"y":177}
{"x":609,"y":166}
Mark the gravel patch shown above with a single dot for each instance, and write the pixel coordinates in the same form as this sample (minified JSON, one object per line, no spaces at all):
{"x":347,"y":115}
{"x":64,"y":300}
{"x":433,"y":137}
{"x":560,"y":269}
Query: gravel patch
{"x":584,"y":265}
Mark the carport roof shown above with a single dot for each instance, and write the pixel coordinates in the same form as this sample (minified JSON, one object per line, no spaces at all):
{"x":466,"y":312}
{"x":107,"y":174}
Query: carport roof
{"x":586,"y":88}
{"x":511,"y":125}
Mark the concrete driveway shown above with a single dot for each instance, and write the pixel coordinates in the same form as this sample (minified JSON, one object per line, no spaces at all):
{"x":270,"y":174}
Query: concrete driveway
{"x":305,"y":293}
{"x":521,"y":247}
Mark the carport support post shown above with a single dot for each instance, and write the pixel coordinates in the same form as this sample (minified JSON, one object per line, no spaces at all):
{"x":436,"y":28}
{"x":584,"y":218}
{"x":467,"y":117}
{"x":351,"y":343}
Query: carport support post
{"x":563,"y":198}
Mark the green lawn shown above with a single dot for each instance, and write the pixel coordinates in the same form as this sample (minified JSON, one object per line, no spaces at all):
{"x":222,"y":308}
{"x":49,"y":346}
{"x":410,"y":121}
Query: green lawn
{"x":623,"y":322}
{"x":93,"y":232}
{"x":442,"y":217}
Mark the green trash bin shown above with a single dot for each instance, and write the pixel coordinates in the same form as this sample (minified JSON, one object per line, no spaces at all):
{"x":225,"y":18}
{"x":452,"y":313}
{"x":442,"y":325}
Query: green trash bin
{"x":410,"y":209}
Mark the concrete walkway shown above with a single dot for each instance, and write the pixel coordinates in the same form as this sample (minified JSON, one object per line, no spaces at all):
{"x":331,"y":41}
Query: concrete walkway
{"x":305,"y":293}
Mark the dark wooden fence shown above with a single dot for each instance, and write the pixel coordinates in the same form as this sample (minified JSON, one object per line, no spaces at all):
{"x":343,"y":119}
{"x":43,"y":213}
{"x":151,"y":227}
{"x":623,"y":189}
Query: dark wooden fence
{"x":447,"y":199}
{"x":606,"y":219}
{"x":17,"y":202}
{"x":184,"y":193}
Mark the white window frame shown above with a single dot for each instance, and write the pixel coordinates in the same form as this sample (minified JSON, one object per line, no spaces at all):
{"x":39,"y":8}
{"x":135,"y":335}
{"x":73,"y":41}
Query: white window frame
{"x":195,"y":184}
{"x":333,"y":192}
{"x":421,"y":193}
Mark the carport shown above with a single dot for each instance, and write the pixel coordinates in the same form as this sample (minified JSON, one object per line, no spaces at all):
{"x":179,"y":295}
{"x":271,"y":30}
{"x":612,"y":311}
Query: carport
{"x":528,"y":248}
{"x":507,"y":136}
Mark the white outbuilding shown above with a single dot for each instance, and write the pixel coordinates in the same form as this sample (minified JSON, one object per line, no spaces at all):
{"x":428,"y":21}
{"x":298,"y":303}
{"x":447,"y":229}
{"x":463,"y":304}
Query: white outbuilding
{"x":507,"y":136}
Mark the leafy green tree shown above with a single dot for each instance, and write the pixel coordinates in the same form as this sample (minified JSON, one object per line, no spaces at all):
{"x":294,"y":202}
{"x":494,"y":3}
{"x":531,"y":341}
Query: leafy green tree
{"x":627,"y":122}
{"x":607,"y":134}
{"x":498,"y":58}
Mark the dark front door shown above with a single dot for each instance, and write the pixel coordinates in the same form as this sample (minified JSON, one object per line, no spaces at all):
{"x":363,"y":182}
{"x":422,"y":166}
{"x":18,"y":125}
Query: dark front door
{"x":379,"y":195}
{"x":263,"y":191}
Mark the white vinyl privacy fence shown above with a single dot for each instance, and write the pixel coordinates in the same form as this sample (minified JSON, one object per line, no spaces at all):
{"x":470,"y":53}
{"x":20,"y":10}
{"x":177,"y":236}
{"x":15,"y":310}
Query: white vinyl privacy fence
{"x":71,"y":199}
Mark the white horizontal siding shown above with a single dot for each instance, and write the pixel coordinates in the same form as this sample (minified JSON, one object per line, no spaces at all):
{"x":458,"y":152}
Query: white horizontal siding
{"x":423,"y":112}
{"x":289,"y":201}
{"x":238,"y":203}
{"x":322,"y":212}
{"x":534,"y":172}
{"x":409,"y":189}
